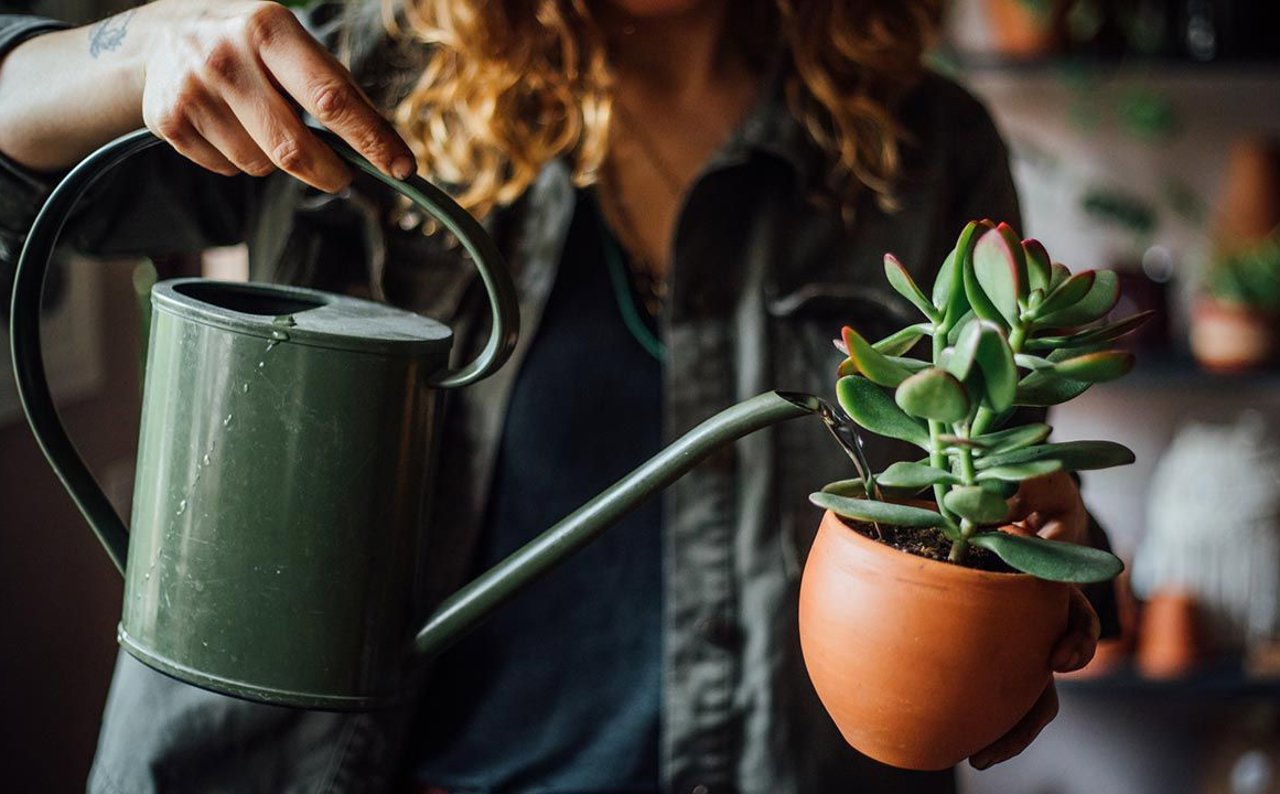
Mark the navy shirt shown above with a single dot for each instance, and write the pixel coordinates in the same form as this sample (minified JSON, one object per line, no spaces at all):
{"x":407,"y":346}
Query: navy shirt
{"x":559,"y":692}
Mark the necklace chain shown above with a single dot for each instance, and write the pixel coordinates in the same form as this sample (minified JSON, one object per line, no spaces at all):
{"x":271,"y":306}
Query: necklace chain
{"x":648,"y":283}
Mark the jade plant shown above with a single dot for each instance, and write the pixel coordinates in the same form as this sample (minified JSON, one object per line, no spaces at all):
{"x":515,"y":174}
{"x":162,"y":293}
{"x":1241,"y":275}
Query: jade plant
{"x":1006,"y":328}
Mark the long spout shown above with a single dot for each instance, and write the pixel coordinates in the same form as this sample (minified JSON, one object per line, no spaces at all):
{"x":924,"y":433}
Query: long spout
{"x":476,"y":600}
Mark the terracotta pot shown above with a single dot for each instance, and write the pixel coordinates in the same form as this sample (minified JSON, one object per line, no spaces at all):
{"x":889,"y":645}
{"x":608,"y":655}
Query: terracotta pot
{"x":1169,"y":641}
{"x":922,"y":663}
{"x":1228,"y":337}
{"x":1248,"y":207}
{"x":1018,"y":31}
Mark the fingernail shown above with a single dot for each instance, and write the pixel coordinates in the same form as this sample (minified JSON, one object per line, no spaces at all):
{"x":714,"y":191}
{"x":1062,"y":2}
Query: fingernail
{"x":403,"y":167}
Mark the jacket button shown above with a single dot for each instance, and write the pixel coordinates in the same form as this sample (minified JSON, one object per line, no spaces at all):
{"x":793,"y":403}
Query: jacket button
{"x":699,"y":789}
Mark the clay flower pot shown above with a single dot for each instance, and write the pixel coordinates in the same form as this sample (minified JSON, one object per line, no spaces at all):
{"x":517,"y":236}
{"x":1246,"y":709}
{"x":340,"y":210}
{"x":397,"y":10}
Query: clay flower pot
{"x":1229,"y":337}
{"x":1020,"y":31}
{"x":1169,"y":642}
{"x":922,"y":663}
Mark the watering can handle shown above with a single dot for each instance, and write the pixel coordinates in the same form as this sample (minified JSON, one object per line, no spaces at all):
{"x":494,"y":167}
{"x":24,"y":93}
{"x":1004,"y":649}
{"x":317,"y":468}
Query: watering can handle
{"x":28,"y":287}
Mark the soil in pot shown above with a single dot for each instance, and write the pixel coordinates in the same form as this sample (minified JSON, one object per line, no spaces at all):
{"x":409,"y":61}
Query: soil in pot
{"x":928,"y":543}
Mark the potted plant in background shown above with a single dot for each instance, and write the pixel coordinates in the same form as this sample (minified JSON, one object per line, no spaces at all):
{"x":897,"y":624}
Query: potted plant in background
{"x":926,"y":625}
{"x":1025,"y":29}
{"x":1233,"y":323}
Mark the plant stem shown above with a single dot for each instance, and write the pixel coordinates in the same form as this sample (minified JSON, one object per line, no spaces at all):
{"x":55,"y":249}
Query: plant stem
{"x":960,"y":546}
{"x":981,"y":423}
{"x":938,"y":458}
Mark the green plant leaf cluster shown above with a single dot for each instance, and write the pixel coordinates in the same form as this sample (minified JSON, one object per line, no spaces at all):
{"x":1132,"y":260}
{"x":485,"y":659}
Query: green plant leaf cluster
{"x":1007,"y":327}
{"x":1248,"y":277}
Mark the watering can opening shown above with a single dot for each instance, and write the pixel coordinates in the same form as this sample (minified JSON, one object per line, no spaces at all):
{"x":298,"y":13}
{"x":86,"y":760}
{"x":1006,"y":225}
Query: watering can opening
{"x":257,"y":299}
{"x":307,"y":317}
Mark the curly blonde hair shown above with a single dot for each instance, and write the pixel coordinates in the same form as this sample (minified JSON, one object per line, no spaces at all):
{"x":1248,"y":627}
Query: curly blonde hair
{"x":512,"y":84}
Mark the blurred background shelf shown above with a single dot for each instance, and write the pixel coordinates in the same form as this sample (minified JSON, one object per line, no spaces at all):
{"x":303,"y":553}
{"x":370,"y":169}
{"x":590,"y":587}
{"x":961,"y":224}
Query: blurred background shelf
{"x":1176,"y":369}
{"x":1225,"y":680}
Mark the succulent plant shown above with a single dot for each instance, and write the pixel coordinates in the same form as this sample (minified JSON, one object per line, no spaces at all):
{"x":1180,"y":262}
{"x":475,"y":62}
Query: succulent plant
{"x":1248,"y":277}
{"x":1008,"y":327}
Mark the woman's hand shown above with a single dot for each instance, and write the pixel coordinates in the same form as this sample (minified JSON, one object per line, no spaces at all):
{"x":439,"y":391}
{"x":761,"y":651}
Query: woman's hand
{"x":217,"y":84}
{"x":1051,"y":507}
{"x":214,"y":78}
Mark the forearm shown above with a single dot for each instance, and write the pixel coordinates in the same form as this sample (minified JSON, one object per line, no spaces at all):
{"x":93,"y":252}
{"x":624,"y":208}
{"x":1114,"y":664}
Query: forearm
{"x":63,"y":94}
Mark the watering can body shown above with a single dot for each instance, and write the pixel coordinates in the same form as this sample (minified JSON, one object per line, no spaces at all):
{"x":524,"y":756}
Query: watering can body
{"x":284,"y":443}
{"x":278,"y":494}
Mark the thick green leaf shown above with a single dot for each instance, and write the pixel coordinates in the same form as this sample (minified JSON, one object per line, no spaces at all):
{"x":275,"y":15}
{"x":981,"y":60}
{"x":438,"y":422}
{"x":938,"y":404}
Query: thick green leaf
{"x":1000,"y":270}
{"x":1097,"y":367}
{"x":904,"y":474}
{"x":1058,"y":273}
{"x":872,"y":363}
{"x":1043,"y":389}
{"x":1035,"y":298}
{"x":905,"y":286}
{"x":945,"y":283}
{"x":912,"y":365}
{"x":1017,"y":472}
{"x":870,"y":407}
{"x":1001,"y":488}
{"x":1027,"y":361}
{"x":1068,"y":293}
{"x":976,"y":504}
{"x":899,"y":342}
{"x":1051,"y":559}
{"x":984,"y":343}
{"x":1092,"y":336}
{"x":948,"y":287}
{"x":879,"y":512}
{"x":855,"y":488}
{"x":1039,"y":267}
{"x":959,"y":362}
{"x":1073,"y":455}
{"x":979,"y":303}
{"x":933,"y":394}
{"x":1101,"y":298}
{"x":956,"y":443}
{"x":1013,"y":438}
{"x":953,"y":335}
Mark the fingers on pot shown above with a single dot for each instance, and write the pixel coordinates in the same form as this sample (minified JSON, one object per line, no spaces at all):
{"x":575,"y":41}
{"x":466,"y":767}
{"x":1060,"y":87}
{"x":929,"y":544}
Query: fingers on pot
{"x":1022,"y":734}
{"x":1076,"y":647}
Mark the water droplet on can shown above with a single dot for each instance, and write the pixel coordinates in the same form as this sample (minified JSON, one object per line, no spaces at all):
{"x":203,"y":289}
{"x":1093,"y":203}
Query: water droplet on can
{"x":182,"y":507}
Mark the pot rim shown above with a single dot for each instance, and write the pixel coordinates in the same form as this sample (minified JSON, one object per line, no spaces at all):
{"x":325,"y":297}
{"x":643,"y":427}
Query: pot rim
{"x":932,"y":568}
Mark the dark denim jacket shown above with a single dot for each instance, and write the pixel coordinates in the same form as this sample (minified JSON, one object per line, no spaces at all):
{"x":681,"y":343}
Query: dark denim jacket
{"x":762,"y":277}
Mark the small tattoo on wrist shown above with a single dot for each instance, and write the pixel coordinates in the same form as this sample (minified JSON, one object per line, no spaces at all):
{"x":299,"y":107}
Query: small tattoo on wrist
{"x":108,"y":35}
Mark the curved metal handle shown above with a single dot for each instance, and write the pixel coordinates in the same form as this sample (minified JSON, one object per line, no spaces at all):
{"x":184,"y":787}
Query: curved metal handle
{"x":28,"y":287}
{"x":477,"y":242}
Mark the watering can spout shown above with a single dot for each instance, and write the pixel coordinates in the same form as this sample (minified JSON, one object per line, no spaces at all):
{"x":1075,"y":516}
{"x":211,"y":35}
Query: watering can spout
{"x":467,"y":607}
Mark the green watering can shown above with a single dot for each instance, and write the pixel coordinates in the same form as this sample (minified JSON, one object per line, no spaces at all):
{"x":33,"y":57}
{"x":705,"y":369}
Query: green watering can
{"x":281,"y":467}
